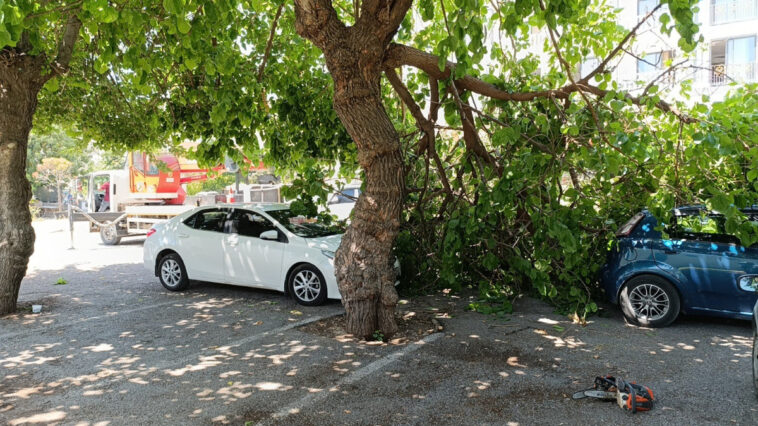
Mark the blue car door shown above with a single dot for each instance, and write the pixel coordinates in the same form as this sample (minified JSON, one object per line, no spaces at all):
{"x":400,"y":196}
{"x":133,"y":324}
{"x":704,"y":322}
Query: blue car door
{"x":709,"y":263}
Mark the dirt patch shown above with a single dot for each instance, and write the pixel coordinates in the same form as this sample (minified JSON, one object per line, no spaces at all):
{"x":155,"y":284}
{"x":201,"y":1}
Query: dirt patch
{"x":412,"y":324}
{"x":502,"y":354}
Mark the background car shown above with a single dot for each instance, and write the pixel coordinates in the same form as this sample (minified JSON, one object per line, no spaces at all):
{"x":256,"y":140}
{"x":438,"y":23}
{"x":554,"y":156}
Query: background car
{"x":341,"y":203}
{"x":265,"y":246}
{"x":699,"y":269}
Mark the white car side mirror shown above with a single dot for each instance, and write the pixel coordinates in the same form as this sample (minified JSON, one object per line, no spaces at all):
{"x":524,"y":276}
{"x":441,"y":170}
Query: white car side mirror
{"x":271,"y":235}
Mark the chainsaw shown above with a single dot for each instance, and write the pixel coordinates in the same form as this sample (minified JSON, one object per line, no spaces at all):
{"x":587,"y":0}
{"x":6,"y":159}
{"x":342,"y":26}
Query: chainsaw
{"x":628,"y":395}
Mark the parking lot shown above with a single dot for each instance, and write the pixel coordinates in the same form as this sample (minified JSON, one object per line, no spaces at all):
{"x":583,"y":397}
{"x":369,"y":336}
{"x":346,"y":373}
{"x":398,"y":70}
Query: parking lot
{"x":111,"y":346}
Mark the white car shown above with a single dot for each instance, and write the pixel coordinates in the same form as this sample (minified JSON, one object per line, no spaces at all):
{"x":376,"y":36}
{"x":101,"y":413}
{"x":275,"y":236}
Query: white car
{"x":253,"y":245}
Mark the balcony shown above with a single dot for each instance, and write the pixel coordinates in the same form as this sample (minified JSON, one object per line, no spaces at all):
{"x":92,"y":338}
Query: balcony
{"x":725,"y":11}
{"x":733,"y":73}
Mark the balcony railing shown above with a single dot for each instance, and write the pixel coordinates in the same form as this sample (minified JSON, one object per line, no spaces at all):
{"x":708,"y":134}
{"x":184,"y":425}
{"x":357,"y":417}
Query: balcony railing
{"x":724,"y":11}
{"x":739,"y":73}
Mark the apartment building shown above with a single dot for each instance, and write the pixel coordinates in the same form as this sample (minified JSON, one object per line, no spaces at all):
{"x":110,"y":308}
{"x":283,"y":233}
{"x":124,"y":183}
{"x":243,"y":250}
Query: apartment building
{"x":726,"y":55}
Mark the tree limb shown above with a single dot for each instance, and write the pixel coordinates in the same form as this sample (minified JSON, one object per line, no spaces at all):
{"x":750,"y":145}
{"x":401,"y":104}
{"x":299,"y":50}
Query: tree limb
{"x":601,"y":66}
{"x":426,"y":126}
{"x":398,"y":55}
{"x":382,"y":17}
{"x":270,"y":42}
{"x":317,"y":21}
{"x":66,"y":44}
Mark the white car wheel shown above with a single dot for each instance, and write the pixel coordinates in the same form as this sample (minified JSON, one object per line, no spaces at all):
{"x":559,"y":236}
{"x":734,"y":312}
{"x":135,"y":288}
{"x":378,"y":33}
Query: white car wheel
{"x":172,"y":274}
{"x":307,"y":285}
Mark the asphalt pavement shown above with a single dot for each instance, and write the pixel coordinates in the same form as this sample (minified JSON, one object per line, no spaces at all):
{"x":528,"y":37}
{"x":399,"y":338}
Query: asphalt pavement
{"x":111,"y":346}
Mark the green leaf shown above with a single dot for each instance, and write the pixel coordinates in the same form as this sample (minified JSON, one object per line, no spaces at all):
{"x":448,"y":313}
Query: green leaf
{"x":182,"y":25}
{"x":52,"y":85}
{"x":721,"y":202}
{"x":109,"y":15}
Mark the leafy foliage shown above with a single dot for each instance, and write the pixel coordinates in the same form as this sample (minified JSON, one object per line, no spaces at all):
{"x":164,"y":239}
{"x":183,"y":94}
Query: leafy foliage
{"x":539,"y":215}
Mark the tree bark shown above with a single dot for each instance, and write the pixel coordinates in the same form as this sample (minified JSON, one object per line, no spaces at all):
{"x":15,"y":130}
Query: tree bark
{"x":363,"y":263}
{"x":364,"y":260}
{"x":354,"y":55}
{"x":20,"y":83}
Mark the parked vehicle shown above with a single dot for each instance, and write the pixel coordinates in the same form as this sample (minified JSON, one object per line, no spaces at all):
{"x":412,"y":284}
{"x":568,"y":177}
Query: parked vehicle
{"x":699,"y":269}
{"x":342,"y":202}
{"x":148,"y":190}
{"x":253,"y":245}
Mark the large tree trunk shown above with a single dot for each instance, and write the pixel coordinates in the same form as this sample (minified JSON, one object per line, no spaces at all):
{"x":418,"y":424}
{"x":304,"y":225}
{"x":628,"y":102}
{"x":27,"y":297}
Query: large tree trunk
{"x":364,"y":261}
{"x":354,"y":55}
{"x":19,"y":85}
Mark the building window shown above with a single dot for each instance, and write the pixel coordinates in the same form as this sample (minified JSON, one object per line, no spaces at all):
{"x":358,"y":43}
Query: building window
{"x":733,"y":60}
{"x":645,"y":6}
{"x":652,"y":63}
{"x":649,"y":63}
{"x":725,"y":11}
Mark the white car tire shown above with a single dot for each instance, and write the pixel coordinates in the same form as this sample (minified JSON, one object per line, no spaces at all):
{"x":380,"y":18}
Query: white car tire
{"x":307,"y":285}
{"x":172,"y":273}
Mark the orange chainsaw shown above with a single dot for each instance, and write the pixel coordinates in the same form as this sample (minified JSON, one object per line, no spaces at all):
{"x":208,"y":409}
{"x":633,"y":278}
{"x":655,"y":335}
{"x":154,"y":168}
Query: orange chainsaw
{"x":629,"y":395}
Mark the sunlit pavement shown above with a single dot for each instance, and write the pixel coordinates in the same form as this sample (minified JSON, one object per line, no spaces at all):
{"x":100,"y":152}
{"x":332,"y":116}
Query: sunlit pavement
{"x":111,"y":346}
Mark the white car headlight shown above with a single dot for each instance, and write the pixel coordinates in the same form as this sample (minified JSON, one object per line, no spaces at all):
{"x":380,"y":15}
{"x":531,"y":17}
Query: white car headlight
{"x":328,"y":253}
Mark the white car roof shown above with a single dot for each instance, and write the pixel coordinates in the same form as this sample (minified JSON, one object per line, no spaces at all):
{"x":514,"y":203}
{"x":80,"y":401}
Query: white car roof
{"x":266,"y":207}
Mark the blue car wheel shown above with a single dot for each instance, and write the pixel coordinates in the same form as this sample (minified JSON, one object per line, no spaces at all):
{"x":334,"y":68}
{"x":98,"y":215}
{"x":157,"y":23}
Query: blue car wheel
{"x":649,"y":301}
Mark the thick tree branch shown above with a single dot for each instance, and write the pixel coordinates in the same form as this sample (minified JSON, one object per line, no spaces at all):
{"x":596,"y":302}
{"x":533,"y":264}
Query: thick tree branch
{"x":640,"y":100}
{"x":426,"y":126}
{"x":398,"y":10}
{"x":405,"y":95}
{"x":317,"y":21}
{"x":470,"y":133}
{"x":398,"y":55}
{"x":24,"y":43}
{"x":382,"y":17}
{"x":66,"y":44}
{"x":269,"y":42}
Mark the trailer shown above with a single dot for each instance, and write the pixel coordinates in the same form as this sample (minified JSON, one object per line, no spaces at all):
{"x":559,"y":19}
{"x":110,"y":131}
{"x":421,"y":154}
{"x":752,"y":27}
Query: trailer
{"x":134,"y":221}
{"x":128,"y":202}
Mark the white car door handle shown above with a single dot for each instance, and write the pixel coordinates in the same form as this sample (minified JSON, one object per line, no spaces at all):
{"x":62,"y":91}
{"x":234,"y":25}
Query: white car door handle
{"x":232,"y":240}
{"x":182,"y":235}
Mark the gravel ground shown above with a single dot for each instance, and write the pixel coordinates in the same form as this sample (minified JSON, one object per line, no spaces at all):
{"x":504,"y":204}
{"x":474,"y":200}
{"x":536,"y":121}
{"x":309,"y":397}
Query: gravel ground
{"x":113,"y":347}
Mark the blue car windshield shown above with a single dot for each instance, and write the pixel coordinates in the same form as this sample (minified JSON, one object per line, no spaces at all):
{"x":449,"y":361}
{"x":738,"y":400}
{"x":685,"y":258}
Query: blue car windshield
{"x":307,"y":227}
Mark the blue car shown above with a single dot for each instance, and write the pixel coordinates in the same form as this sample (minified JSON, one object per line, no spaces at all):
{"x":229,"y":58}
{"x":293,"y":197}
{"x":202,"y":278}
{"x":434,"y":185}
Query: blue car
{"x":699,"y":269}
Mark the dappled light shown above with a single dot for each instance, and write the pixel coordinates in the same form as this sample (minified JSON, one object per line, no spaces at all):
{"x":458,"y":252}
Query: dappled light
{"x":223,"y":354}
{"x":50,"y":417}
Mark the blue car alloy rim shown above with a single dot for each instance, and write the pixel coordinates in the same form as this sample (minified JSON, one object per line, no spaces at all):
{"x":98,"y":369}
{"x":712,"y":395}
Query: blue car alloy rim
{"x":649,"y":302}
